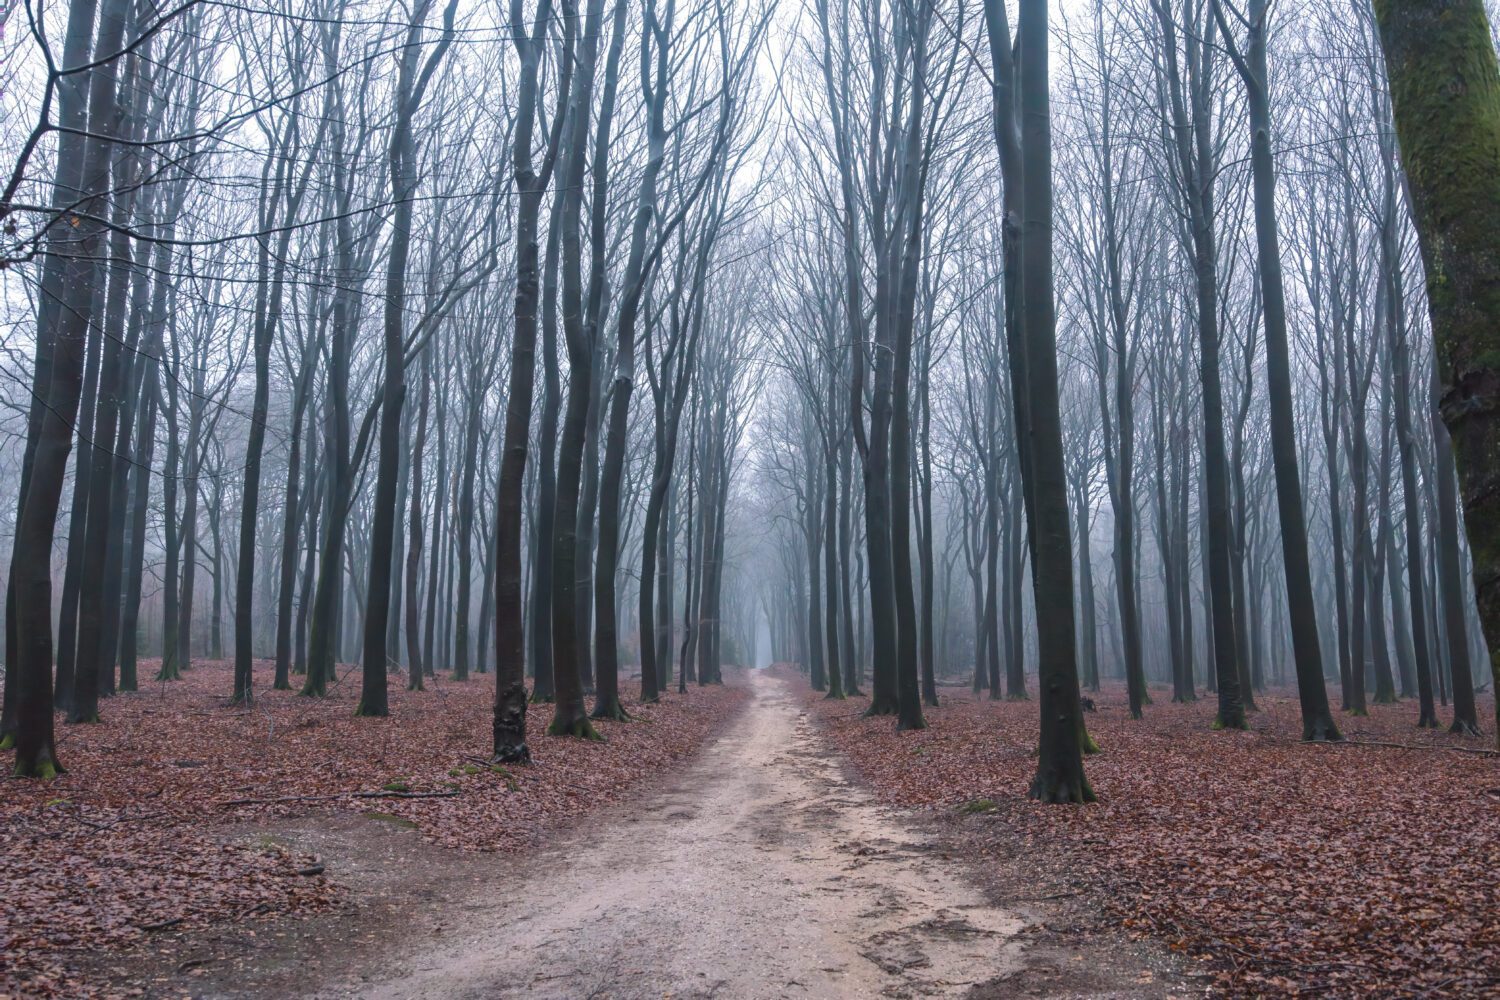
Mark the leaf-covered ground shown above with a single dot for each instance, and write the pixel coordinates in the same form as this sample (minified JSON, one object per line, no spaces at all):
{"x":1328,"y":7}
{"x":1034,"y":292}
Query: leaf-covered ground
{"x":134,"y":840}
{"x":1293,"y":869}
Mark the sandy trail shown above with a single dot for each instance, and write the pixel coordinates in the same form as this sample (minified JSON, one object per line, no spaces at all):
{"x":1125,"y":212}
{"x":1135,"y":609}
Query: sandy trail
{"x":759,"y":872}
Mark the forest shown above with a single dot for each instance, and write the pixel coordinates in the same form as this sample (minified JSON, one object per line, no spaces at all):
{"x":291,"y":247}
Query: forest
{"x":624,"y":498}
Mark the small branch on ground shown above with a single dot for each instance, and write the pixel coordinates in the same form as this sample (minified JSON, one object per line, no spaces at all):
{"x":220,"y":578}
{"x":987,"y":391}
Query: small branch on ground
{"x":340,"y":795}
{"x":162,"y":925}
{"x":1403,"y":746}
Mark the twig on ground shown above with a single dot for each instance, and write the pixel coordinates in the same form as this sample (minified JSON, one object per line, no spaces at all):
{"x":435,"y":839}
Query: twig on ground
{"x":162,"y":925}
{"x":340,"y":795}
{"x":1400,"y":746}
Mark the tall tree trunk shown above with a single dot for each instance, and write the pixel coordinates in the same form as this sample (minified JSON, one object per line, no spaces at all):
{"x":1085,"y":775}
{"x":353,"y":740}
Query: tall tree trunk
{"x":324,"y":625}
{"x":1317,"y":719}
{"x":638,"y":263}
{"x":415,"y":668}
{"x":1445,"y":93}
{"x":431,"y":652}
{"x":927,"y":570}
{"x":509,"y":735}
{"x":992,"y":645}
{"x":852,"y":665}
{"x":36,"y":753}
{"x":72,"y":103}
{"x":1196,"y":162}
{"x":828,"y":535}
{"x":690,"y":567}
{"x":1059,"y":776}
{"x":913,"y":184}
{"x":83,"y":467}
{"x":411,"y":83}
{"x":125,"y":446}
{"x":267,"y":319}
{"x":1451,"y":582}
{"x":812,"y":534}
{"x":570,"y":717}
{"x":98,"y":614}
{"x":1088,"y":646}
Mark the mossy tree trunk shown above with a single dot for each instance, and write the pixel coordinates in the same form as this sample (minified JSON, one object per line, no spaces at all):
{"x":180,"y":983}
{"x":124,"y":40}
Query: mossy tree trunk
{"x":1445,"y":92}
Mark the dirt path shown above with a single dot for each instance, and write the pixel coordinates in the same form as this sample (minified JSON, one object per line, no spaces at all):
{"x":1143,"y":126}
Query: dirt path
{"x":759,"y":873}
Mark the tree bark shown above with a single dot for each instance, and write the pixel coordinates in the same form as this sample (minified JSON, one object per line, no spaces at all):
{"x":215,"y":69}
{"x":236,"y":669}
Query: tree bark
{"x":1445,"y":93}
{"x":1059,"y":775}
{"x":1317,"y":719}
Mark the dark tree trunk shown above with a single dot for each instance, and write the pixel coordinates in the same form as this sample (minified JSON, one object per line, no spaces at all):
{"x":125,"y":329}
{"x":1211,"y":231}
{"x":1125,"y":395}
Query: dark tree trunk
{"x":913,"y":184}
{"x":546,"y":502}
{"x":689,"y":593}
{"x":411,"y":84}
{"x":1317,"y":719}
{"x":571,"y":717}
{"x":828,"y":537}
{"x":464,"y":536}
{"x":1196,"y":163}
{"x":509,"y":735}
{"x":267,"y":317}
{"x":812,"y":534}
{"x":36,"y":753}
{"x":72,"y":116}
{"x":1445,"y":93}
{"x":1015,"y":585}
{"x":991,"y":629}
{"x":639,"y":262}
{"x":1451,"y":584}
{"x":1088,"y":646}
{"x":125,"y":445}
{"x":1059,"y":776}
{"x":290,"y":526}
{"x":83,"y":467}
{"x":414,"y":665}
{"x":884,"y":695}
{"x":851,"y":663}
{"x":927,"y":595}
{"x":395,"y":656}
{"x":140,"y":493}
{"x":430,"y":650}
{"x":99,"y":597}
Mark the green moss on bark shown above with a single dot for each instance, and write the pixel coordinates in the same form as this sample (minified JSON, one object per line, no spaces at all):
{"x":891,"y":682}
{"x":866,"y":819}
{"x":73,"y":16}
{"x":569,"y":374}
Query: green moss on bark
{"x":1445,"y":95}
{"x":580,"y":727}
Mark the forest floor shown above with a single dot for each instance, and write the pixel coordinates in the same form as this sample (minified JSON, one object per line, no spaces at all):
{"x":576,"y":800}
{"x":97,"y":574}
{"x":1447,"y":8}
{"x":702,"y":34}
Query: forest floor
{"x":757,"y":868}
{"x":1273,"y":867}
{"x":136,"y":873}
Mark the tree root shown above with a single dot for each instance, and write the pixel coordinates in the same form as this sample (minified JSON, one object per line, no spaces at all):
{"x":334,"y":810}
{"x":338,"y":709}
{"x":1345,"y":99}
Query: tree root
{"x":1322,"y":731}
{"x":612,"y":710}
{"x":44,"y":767}
{"x":1064,"y":793}
{"x":581,"y":728}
